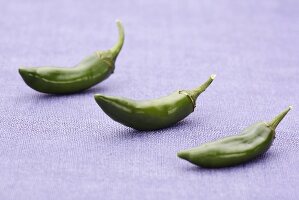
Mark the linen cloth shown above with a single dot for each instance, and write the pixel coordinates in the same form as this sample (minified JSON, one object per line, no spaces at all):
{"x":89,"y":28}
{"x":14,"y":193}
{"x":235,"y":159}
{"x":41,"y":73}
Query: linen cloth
{"x":66,"y":147}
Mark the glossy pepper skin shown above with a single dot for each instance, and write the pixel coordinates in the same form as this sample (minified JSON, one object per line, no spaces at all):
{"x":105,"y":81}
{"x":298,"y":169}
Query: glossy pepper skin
{"x":253,"y":141}
{"x":90,"y":71}
{"x":152,"y":114}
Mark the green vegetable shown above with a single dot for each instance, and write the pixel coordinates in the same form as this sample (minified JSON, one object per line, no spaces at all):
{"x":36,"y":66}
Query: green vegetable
{"x":152,"y":114}
{"x":92,"y":70}
{"x":253,"y":141}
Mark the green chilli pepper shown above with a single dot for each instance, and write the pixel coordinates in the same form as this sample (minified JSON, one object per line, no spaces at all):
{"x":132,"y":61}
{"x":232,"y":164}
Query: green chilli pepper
{"x":253,"y":141}
{"x":92,"y":70}
{"x":152,"y":114}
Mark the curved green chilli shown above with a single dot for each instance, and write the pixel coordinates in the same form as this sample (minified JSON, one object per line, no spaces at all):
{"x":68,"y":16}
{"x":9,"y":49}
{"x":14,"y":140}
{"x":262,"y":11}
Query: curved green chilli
{"x":152,"y":114}
{"x":253,"y":141}
{"x":92,"y":70}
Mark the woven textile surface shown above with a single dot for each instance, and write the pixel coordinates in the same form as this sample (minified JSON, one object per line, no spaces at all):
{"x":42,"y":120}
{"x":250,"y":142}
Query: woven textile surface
{"x":66,"y":147}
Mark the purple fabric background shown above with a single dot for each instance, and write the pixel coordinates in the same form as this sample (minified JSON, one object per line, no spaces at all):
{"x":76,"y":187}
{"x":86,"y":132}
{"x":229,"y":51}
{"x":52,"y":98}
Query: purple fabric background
{"x":65,"y":147}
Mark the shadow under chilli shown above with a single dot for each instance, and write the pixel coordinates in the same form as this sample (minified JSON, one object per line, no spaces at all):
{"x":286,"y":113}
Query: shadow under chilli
{"x":268,"y":156}
{"x":130,"y":133}
{"x":90,"y":92}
